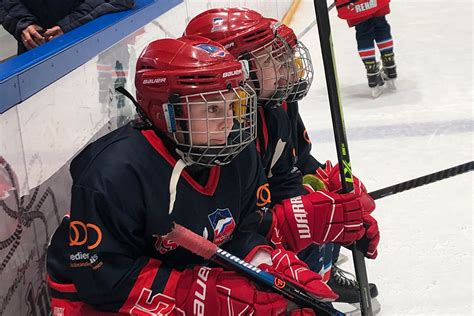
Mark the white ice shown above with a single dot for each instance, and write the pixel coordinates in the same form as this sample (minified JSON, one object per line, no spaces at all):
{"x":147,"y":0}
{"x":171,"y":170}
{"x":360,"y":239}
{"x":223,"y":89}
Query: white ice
{"x":425,"y":257}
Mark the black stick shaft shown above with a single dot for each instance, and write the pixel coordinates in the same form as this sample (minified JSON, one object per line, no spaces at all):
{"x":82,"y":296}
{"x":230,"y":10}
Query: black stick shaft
{"x":324,"y":29}
{"x":427,"y":179}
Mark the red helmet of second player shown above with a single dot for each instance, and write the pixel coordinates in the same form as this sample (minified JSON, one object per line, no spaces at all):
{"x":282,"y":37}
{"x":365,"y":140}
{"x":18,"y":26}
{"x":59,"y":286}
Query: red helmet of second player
{"x":193,"y":90}
{"x":254,"y":39}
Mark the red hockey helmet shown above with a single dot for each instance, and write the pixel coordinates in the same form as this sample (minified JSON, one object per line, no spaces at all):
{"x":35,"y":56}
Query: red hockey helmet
{"x":193,"y":90}
{"x":249,"y":36}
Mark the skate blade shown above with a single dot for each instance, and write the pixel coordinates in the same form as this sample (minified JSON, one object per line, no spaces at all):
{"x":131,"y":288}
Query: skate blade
{"x":391,"y":84}
{"x":354,"y":308}
{"x":376,"y":91}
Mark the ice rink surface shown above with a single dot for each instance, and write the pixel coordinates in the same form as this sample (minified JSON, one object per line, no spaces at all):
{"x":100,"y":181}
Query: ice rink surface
{"x":425,"y":256}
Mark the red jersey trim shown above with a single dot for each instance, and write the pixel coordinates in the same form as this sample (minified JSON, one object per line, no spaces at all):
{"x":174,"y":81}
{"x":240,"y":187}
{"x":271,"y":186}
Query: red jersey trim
{"x":284,"y":105}
{"x":214,"y":174}
{"x":144,"y":280}
{"x":61,"y":287}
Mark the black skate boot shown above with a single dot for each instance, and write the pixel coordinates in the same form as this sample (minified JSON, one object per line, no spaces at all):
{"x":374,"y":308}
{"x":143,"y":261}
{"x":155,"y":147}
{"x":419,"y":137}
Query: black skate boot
{"x":374,"y":75}
{"x":344,"y":284}
{"x":389,"y":67}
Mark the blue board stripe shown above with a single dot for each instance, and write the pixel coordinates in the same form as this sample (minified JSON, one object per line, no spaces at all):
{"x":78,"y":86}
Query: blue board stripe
{"x":25,"y":75}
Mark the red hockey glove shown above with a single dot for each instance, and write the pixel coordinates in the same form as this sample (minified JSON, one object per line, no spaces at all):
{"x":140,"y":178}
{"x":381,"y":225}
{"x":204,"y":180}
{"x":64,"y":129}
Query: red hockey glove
{"x":331,"y":178}
{"x":212,"y":291}
{"x":372,"y":237}
{"x":286,"y":265}
{"x":319,"y":217}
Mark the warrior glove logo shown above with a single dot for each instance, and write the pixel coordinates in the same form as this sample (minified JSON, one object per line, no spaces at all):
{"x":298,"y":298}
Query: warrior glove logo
{"x":81,"y":233}
{"x":300,"y":216}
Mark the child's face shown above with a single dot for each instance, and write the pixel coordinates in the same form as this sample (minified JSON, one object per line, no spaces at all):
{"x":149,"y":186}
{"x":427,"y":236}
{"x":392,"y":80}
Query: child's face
{"x":272,"y":70}
{"x":210,"y":118}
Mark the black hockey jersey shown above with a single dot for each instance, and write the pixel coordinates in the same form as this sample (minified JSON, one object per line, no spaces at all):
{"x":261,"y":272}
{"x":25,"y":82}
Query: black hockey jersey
{"x":305,"y":162}
{"x":285,"y":150}
{"x":112,"y":246}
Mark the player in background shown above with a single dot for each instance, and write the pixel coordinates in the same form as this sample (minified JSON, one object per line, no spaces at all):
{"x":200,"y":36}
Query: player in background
{"x":190,"y":159}
{"x":281,"y":79}
{"x":368,"y":17}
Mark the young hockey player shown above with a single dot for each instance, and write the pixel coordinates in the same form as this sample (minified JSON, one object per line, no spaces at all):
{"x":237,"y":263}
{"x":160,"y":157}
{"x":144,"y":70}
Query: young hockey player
{"x":368,"y":17}
{"x":282,"y":139}
{"x":192,"y":161}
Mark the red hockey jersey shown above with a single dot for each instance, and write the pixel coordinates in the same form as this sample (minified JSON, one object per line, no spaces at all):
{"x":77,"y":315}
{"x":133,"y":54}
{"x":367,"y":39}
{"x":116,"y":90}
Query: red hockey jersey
{"x":357,"y":11}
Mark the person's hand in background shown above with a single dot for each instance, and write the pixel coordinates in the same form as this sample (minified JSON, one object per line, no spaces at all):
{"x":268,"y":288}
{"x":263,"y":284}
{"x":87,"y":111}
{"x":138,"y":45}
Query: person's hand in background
{"x":53,"y":32}
{"x":31,"y":36}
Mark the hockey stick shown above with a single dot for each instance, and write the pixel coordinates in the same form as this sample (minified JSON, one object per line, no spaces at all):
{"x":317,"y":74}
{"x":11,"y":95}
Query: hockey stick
{"x":427,"y":179}
{"x":324,"y":30}
{"x":206,"y":249}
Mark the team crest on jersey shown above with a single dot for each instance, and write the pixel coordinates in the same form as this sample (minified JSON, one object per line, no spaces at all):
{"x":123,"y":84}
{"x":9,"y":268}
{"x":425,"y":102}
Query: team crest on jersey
{"x":214,"y":51}
{"x":222,"y":223}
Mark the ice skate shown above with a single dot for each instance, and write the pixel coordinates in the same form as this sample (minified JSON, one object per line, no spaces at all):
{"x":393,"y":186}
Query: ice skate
{"x":374,"y":77}
{"x":345,"y":285}
{"x":389,"y":70}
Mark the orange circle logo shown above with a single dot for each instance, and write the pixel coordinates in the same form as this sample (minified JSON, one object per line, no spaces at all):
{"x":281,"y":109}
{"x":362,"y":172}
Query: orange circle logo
{"x":263,"y":195}
{"x":79,"y":234}
{"x":279,"y":283}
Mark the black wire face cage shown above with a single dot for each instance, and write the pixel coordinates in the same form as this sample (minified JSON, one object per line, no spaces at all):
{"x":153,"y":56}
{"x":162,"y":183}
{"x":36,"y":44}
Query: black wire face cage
{"x":302,"y":73}
{"x":212,"y":128}
{"x":271,"y":67}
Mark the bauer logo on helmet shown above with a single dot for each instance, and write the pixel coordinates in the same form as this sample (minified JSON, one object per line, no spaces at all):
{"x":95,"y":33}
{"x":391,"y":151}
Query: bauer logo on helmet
{"x":154,"y":81}
{"x":232,"y":73}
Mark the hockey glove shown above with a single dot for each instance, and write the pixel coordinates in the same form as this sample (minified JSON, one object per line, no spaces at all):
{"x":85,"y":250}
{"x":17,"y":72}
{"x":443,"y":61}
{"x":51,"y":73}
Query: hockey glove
{"x":370,"y":241}
{"x":319,"y":217}
{"x":286,"y":265}
{"x":212,"y":291}
{"x":330,"y":178}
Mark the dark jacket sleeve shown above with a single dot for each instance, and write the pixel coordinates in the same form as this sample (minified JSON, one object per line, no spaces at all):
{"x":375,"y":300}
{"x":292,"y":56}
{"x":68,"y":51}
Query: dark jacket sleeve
{"x":283,"y":176}
{"x":92,"y":9}
{"x":2,"y":12}
{"x":102,"y":255}
{"x":305,"y":162}
{"x":17,"y":17}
